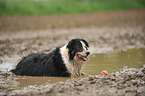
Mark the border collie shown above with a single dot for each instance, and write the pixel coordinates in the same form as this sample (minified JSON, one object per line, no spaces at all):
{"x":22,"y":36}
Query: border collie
{"x":65,"y":61}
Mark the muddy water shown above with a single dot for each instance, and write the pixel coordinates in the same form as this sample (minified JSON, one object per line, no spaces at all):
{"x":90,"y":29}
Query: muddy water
{"x":111,"y":61}
{"x":114,"y":61}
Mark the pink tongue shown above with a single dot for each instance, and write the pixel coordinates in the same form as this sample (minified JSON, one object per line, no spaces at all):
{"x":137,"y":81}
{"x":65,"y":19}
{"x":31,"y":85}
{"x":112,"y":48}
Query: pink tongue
{"x":87,"y":59}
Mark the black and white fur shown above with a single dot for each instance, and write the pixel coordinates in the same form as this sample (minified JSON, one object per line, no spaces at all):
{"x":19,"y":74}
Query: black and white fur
{"x":63,"y":61}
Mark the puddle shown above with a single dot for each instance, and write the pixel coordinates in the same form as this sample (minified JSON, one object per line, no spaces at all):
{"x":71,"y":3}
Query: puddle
{"x":26,"y":81}
{"x":111,"y":61}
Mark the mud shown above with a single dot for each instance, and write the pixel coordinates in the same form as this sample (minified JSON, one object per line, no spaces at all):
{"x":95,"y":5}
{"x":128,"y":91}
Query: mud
{"x":126,"y":82}
{"x":108,"y":31}
{"x":96,"y":19}
{"x":105,"y":32}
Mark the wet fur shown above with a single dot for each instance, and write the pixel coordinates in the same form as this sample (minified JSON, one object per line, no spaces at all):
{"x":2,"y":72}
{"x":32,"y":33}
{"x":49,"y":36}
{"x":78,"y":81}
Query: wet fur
{"x":61,"y":62}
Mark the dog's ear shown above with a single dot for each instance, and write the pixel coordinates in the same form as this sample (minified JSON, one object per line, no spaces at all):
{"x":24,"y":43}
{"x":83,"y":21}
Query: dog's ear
{"x":71,"y":48}
{"x":71,"y":43}
{"x":86,"y":43}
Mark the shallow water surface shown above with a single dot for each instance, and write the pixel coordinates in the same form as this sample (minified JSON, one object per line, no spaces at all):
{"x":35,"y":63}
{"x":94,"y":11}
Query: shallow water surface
{"x":111,"y":61}
{"x":114,"y":61}
{"x":28,"y":80}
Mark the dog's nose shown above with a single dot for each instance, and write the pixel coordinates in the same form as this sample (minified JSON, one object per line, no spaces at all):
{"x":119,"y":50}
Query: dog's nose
{"x":87,"y":53}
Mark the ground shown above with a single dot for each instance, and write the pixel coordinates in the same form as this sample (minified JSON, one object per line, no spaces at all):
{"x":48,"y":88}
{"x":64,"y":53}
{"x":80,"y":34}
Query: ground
{"x":105,"y":31}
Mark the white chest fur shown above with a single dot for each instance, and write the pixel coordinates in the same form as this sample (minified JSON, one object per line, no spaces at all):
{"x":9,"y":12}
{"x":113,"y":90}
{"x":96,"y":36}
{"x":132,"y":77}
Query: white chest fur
{"x":74,"y":66}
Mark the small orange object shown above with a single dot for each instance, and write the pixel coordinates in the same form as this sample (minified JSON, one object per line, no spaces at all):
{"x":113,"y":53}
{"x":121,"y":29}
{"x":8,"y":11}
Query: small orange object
{"x":104,"y":72}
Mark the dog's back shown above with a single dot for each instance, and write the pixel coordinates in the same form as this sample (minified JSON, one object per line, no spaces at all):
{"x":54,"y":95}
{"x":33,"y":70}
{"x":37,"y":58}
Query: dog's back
{"x":42,"y":64}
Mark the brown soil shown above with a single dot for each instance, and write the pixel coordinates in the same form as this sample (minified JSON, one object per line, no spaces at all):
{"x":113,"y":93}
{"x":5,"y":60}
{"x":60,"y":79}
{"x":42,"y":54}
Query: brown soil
{"x":26,"y":34}
{"x":120,"y":30}
{"x":129,"y":82}
{"x":98,"y":19}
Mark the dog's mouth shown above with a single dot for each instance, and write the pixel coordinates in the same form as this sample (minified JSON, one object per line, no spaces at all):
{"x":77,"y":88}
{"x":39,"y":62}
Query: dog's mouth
{"x":84,"y":58}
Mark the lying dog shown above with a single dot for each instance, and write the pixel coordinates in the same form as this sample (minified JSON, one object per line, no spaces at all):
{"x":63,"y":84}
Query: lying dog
{"x":64,"y":61}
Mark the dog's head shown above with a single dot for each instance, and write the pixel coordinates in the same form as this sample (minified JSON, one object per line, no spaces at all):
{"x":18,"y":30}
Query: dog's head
{"x":78,"y":48}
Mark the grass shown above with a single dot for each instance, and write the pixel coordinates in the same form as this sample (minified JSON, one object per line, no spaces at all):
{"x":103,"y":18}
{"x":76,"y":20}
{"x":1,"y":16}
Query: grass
{"x":27,"y":7}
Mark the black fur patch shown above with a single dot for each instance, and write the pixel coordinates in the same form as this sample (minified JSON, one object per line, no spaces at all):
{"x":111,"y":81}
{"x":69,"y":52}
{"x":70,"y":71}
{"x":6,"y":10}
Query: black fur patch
{"x":42,"y":64}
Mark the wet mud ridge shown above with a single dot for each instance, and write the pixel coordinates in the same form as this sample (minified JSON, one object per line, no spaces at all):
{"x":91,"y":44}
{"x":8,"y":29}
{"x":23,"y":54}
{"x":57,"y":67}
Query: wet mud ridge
{"x":125,"y":82}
